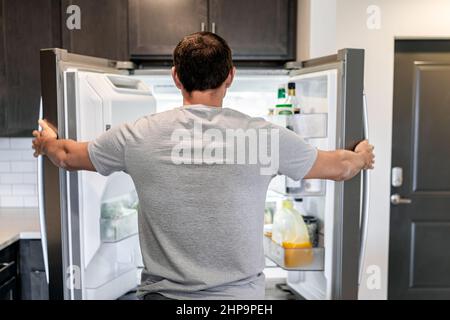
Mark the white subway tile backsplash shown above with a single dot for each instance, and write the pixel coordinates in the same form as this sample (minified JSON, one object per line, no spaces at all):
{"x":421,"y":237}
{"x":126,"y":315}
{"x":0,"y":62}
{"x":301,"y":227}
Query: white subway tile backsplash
{"x":23,"y":166}
{"x":9,"y":155}
{"x":24,"y":190}
{"x":18,"y":173}
{"x":11,"y":201}
{"x":21,"y":143}
{"x":11,"y":178}
{"x":4,"y":167}
{"x":30,"y":178}
{"x":4,"y":143}
{"x":28,"y":155}
{"x":5,"y":190}
{"x":30,"y":202}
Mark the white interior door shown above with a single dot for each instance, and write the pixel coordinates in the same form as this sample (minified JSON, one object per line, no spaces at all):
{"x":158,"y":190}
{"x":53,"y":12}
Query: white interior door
{"x":103,"y":236}
{"x":317,"y":94}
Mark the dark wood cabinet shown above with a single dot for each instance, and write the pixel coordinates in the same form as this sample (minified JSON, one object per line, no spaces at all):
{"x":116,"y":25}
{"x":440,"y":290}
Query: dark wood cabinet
{"x":9,"y":261}
{"x":256,"y":29}
{"x":103,"y":31}
{"x":22,"y":271}
{"x":32,"y":271}
{"x":28,"y":26}
{"x":8,"y":290}
{"x":141,"y":30}
{"x":25,"y":27}
{"x":156,"y":26}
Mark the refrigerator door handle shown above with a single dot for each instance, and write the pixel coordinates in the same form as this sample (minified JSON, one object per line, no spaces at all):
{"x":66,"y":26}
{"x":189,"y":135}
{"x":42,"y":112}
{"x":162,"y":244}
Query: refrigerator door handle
{"x":364,"y":225}
{"x":40,"y":172}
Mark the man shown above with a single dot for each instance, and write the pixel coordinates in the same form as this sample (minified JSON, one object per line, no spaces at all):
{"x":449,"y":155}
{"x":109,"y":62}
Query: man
{"x":201,"y":217}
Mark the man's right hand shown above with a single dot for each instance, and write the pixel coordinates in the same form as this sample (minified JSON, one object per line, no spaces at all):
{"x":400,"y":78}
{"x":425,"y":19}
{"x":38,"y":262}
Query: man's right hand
{"x":365,"y":150}
{"x":46,"y":132}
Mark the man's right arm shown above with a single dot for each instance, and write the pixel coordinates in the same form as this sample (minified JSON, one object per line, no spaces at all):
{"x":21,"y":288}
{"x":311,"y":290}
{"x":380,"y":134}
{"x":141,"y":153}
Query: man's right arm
{"x":341,"y":165}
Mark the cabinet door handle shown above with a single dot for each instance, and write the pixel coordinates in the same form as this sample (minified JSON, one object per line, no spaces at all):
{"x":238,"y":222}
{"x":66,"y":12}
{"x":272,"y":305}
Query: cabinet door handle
{"x":4,"y":266}
{"x":213,"y":27}
{"x":202,"y":26}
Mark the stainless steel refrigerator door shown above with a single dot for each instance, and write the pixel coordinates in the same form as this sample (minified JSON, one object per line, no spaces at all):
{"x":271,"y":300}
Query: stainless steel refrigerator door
{"x":343,"y":279}
{"x":63,"y":278}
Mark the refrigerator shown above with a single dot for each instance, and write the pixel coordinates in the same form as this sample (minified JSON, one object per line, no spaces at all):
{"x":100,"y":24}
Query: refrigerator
{"x":89,"y":222}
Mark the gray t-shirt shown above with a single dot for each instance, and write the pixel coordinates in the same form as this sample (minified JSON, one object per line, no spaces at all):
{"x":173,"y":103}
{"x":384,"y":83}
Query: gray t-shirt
{"x":201,"y":219}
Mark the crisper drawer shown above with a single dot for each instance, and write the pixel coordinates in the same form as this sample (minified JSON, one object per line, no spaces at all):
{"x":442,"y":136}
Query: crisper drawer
{"x":311,"y":259}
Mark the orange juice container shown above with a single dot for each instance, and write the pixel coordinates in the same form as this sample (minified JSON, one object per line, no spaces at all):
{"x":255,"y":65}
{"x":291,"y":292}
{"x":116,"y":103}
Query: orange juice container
{"x":290,"y":231}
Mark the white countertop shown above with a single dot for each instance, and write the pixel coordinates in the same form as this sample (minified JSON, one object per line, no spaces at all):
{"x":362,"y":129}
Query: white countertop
{"x":18,"y":223}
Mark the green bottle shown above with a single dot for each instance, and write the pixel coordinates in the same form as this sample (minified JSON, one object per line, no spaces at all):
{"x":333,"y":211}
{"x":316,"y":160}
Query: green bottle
{"x":283,"y":108}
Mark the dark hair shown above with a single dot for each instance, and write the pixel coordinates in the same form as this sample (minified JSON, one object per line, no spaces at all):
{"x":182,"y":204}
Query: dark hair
{"x":202,"y":61}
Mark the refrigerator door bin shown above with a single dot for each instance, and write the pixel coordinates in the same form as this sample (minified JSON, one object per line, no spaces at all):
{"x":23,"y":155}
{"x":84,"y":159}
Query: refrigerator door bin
{"x":298,"y":189}
{"x":116,"y":229}
{"x":307,"y":125}
{"x":304,"y":259}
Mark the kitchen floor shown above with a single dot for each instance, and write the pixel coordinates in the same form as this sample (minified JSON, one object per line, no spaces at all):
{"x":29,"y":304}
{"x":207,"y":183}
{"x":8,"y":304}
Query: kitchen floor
{"x":276,"y":289}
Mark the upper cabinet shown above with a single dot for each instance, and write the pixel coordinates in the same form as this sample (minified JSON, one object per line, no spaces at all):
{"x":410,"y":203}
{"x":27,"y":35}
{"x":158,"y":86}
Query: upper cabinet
{"x":25,"y":27}
{"x":257,"y":30}
{"x":28,"y":26}
{"x":156,"y":26}
{"x":103,"y":28}
{"x":145,"y":31}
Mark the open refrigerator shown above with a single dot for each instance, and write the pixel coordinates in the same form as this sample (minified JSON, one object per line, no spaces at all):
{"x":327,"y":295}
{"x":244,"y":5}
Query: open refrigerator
{"x":89,"y":222}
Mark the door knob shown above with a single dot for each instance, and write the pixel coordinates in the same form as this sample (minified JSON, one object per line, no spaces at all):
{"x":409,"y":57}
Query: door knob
{"x":396,"y":199}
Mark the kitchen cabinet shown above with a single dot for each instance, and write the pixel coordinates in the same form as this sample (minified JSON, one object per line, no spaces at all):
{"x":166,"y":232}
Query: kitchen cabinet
{"x":156,"y":27}
{"x":103,"y":30}
{"x":28,"y":26}
{"x":22,"y":271}
{"x":143,"y":30}
{"x":32,"y":271}
{"x":9,"y":260}
{"x":257,"y":30}
{"x":25,"y":27}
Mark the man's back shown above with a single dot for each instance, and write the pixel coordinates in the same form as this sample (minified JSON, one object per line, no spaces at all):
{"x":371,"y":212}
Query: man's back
{"x":201,"y":213}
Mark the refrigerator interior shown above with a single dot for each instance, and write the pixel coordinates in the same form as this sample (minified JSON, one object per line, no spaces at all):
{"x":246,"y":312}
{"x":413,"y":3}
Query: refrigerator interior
{"x":108,"y":220}
{"x":254,"y":94}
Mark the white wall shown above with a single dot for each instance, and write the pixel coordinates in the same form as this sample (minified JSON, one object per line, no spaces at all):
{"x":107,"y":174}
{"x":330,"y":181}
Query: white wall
{"x":324,"y":31}
{"x":399,"y":18}
{"x":316,"y":34}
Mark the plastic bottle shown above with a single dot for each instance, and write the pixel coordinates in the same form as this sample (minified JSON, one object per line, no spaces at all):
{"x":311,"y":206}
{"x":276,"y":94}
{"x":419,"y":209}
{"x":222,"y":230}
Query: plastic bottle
{"x":282,"y":107}
{"x":292,"y":98}
{"x":289,"y":230}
